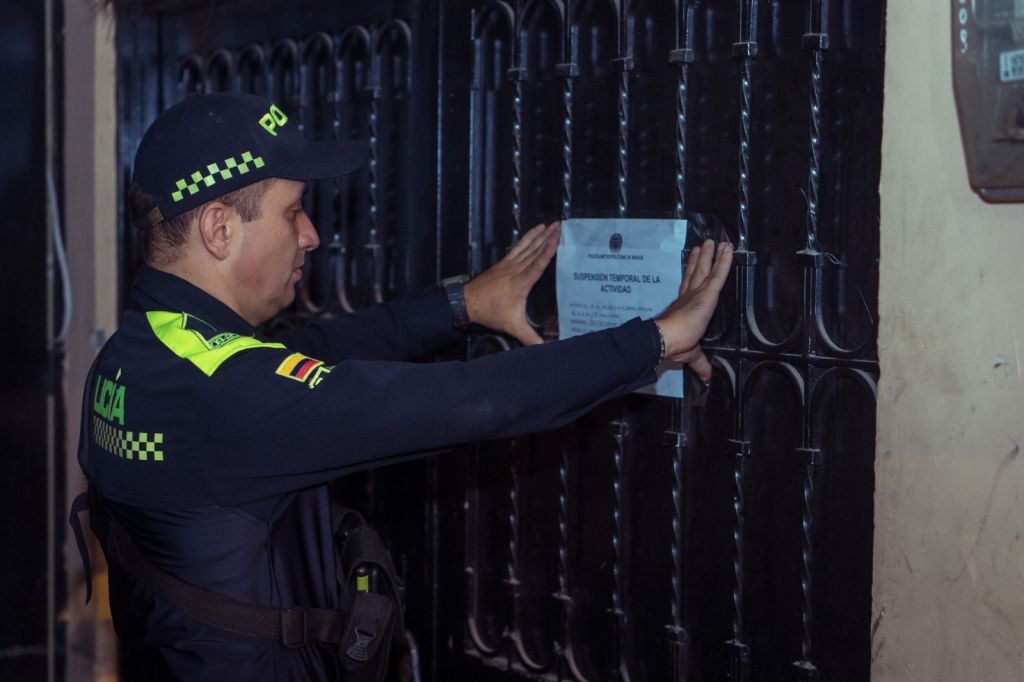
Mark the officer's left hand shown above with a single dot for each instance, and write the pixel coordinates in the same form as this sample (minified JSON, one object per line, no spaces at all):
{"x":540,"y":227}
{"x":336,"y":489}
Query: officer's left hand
{"x":496,"y":298}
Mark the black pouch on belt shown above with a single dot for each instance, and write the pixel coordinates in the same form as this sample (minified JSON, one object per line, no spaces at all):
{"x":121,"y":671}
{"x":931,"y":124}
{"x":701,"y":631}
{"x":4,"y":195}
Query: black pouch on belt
{"x":372,"y":595}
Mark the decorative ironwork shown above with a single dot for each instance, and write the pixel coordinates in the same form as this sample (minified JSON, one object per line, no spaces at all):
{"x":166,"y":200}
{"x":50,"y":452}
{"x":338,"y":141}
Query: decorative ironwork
{"x":373,"y":247}
{"x":455,"y":101}
{"x":620,"y":433}
{"x":683,"y":55}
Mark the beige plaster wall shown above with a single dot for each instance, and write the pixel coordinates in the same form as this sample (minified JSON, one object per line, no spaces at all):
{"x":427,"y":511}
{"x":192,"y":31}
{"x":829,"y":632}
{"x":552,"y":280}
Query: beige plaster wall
{"x":949,"y":506}
{"x":90,"y":209}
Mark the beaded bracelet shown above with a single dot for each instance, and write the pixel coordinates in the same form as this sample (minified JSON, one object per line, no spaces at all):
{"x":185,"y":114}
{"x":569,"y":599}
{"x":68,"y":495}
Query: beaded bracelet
{"x":661,"y":342}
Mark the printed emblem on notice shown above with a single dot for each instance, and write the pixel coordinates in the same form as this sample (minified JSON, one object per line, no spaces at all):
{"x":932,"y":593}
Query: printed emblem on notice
{"x":1011,"y":66}
{"x":615,"y":243}
{"x":297,"y":366}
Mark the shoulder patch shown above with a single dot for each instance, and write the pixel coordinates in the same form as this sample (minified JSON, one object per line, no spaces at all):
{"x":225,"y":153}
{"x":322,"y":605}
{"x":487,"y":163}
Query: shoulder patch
{"x":178,"y":332}
{"x":298,"y":367}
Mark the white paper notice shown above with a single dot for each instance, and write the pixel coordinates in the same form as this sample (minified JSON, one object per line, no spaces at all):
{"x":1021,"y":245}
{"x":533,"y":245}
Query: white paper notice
{"x":612,"y":270}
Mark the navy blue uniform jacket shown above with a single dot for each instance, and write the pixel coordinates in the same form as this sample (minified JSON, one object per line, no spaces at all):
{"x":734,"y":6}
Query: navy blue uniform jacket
{"x":212,"y":446}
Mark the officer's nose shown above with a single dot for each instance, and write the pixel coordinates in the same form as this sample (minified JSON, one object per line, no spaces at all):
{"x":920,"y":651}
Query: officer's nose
{"x":309,"y":239}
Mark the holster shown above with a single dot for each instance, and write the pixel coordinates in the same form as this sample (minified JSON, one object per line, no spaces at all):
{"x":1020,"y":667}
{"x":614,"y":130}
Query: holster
{"x":367,"y":581}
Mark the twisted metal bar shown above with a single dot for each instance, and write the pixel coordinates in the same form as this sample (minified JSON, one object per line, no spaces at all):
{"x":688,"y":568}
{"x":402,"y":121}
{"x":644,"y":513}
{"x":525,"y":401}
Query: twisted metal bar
{"x":564,"y":650}
{"x":336,"y":247}
{"x":567,"y":96}
{"x":807,"y":555}
{"x":737,"y":562}
{"x":518,"y":75}
{"x":814,"y":175}
{"x":623,"y":158}
{"x":617,"y":588}
{"x":680,"y":654}
{"x":620,"y":433}
{"x":517,"y":161}
{"x":563,"y":526}
{"x":681,"y":112}
{"x":676,"y":437}
{"x":739,"y":652}
{"x":744,"y":208}
{"x":812,"y":257}
{"x":512,"y":579}
{"x":678,"y":517}
{"x":682,"y":56}
{"x":513,"y":633}
{"x":374,"y":246}
{"x":621,"y":427}
{"x":746,"y":50}
{"x":817,"y":40}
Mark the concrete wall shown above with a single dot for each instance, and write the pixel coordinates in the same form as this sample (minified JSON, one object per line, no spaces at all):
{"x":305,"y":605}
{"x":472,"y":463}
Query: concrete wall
{"x":949,"y":509}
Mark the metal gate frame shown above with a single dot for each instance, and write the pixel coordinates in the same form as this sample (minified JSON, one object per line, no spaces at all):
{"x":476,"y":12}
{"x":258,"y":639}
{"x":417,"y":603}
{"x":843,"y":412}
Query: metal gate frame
{"x":654,"y":539}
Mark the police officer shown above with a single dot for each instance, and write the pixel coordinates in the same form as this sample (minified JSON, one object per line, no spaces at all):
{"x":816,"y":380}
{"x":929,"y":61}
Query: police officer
{"x":208,"y":446}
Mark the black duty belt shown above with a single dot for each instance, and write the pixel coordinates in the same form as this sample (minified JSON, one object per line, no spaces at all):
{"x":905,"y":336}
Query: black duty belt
{"x":294,"y":627}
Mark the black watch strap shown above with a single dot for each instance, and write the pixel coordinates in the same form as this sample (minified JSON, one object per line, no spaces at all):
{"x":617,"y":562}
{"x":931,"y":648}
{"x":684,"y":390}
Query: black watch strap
{"x":454,"y":288}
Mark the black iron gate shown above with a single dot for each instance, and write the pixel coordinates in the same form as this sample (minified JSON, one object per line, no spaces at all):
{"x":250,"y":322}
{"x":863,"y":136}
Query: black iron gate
{"x":728,"y":537}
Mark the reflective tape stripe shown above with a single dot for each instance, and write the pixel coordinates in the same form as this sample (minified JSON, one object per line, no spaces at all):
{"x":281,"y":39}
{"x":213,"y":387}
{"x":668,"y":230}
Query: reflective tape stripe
{"x":207,"y":355}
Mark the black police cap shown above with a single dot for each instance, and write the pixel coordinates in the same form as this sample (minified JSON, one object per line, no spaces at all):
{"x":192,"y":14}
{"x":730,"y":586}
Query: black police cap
{"x":209,"y":145}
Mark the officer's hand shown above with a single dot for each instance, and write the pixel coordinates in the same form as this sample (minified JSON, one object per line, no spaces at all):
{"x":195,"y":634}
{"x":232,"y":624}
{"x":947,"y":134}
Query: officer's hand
{"x":496,"y":298}
{"x":684,"y":322}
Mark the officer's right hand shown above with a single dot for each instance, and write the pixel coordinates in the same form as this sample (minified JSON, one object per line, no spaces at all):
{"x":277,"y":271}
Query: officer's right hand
{"x":684,"y":322}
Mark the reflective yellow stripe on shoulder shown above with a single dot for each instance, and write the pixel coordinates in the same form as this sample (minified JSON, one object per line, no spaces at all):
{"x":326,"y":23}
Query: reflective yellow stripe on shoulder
{"x":206,"y":354}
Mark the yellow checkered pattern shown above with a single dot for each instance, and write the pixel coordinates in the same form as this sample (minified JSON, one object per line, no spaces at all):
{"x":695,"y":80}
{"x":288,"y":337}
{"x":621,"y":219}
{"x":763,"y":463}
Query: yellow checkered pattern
{"x":141,"y":446}
{"x":207,"y":177}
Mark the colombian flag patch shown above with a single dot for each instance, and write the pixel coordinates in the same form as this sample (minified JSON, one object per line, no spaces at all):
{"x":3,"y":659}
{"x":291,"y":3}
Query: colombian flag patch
{"x":297,"y":366}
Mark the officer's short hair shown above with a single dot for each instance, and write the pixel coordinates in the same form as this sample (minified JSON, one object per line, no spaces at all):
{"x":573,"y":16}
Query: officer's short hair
{"x":162,"y":242}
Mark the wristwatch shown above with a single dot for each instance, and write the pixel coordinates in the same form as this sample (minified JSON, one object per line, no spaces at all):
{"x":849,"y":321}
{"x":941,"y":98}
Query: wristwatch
{"x":454,"y":288}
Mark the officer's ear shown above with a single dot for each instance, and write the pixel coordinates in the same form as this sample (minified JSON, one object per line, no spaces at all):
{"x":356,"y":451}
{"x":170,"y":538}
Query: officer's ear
{"x":215,"y":229}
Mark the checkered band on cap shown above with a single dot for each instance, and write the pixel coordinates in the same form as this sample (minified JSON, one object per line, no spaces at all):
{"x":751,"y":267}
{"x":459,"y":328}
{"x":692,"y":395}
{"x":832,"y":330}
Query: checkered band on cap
{"x":200,"y":180}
